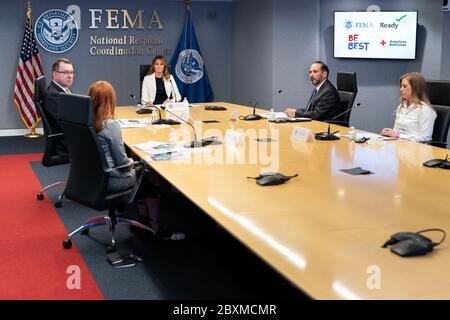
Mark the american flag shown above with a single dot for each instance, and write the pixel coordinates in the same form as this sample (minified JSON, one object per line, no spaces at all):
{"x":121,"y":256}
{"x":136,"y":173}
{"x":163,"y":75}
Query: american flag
{"x":30,"y":68}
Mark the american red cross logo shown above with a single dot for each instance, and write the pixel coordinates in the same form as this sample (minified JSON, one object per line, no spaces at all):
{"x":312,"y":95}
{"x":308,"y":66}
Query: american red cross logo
{"x":383,"y":43}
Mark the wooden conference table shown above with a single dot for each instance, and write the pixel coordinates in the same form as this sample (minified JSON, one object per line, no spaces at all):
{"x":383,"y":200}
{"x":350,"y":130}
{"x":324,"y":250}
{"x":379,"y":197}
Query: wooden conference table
{"x":324,"y":229}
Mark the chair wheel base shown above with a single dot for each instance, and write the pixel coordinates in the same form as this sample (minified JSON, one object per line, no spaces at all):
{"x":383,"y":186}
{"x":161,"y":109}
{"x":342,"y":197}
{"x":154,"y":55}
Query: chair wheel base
{"x":67,"y":244}
{"x":110,"y":249}
{"x":58,"y":204}
{"x":40,"y":196}
{"x":85,"y":231}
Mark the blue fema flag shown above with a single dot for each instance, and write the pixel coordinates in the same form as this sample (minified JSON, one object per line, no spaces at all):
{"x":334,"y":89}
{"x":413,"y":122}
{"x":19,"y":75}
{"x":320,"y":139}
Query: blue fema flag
{"x":188,"y":67}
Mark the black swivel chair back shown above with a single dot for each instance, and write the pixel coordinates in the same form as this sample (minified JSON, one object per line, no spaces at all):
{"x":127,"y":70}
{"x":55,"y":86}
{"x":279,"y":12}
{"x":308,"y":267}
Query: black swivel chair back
{"x":89,"y":171}
{"x":143,"y":71}
{"x":347,"y":89}
{"x":50,"y":157}
{"x":439,"y":95}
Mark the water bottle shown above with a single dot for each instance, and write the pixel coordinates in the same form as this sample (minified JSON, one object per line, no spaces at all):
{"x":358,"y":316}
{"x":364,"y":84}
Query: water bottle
{"x":186,"y":102}
{"x":154,"y":116}
{"x":352,"y":134}
{"x":271,"y":115}
{"x":172,"y":137}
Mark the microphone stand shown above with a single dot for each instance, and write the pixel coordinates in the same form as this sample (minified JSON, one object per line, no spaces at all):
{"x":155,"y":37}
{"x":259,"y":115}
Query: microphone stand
{"x":164,"y":121}
{"x":195,"y":143}
{"x":254,"y":116}
{"x":143,"y":109}
{"x":174,"y":95}
{"x":331,"y":135}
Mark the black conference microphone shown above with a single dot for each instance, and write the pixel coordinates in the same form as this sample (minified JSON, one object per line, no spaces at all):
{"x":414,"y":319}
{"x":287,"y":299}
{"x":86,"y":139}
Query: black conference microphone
{"x":331,"y":135}
{"x":196,"y":143}
{"x":143,"y":109}
{"x":255,"y":116}
{"x":172,"y":94}
{"x":164,"y":121}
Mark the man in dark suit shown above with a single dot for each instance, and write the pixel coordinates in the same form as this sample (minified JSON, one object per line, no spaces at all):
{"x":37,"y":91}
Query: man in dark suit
{"x":324,"y":101}
{"x":62,"y":80}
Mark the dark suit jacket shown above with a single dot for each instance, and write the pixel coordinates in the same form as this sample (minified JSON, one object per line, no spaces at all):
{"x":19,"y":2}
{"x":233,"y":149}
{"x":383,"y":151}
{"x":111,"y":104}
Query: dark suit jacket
{"x":51,"y":105}
{"x":325,"y":105}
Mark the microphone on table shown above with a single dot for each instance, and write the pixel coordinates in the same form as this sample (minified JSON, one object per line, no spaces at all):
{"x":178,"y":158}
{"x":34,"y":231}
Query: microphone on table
{"x":173,"y":95}
{"x":164,"y":121}
{"x":331,"y":135}
{"x":196,"y":143}
{"x":254,"y":116}
{"x":142,"y":109}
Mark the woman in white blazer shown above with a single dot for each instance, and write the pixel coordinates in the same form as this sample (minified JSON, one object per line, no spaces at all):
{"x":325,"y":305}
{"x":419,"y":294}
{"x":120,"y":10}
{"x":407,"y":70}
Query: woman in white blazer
{"x":159,"y":86}
{"x":414,"y":117}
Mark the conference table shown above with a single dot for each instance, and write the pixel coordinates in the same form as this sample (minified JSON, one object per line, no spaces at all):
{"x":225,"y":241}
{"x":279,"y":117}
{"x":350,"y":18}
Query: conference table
{"x":324,"y":229}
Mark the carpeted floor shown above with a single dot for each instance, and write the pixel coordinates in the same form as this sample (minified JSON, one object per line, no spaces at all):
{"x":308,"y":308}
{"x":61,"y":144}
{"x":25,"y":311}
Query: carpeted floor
{"x":34,"y":265}
{"x":209,"y":264}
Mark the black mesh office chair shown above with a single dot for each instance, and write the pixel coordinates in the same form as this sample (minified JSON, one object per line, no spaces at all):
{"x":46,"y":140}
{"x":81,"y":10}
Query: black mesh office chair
{"x":439,"y":94}
{"x":347,"y":89}
{"x":143,"y":71}
{"x":89,"y":171}
{"x":51,"y":157}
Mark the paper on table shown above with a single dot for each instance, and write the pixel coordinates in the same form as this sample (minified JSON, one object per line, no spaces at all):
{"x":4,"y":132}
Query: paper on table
{"x":133,"y":123}
{"x":278,"y":115}
{"x":360,"y":135}
{"x":157,"y":147}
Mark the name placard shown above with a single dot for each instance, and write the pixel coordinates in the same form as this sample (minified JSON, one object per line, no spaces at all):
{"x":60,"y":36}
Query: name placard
{"x":233,"y":138}
{"x":302,"y":134}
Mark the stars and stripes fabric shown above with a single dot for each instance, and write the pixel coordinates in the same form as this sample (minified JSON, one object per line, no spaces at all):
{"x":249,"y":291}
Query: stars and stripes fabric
{"x":29,"y":68}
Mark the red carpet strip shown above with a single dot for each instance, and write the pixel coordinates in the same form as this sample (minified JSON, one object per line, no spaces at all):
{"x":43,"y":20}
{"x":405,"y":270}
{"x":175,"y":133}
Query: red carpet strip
{"x":33,"y":263}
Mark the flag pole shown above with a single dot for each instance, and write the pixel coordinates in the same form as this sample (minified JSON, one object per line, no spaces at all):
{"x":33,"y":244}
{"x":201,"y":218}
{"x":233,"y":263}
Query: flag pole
{"x":33,"y":134}
{"x":188,"y":3}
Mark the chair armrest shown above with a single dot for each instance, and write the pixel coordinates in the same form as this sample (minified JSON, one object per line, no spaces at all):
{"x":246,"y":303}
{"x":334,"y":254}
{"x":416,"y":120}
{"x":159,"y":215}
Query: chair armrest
{"x":124,"y":166}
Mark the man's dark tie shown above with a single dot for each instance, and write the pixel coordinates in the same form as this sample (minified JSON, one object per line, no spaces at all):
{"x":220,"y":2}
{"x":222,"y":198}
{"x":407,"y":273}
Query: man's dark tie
{"x":311,"y":99}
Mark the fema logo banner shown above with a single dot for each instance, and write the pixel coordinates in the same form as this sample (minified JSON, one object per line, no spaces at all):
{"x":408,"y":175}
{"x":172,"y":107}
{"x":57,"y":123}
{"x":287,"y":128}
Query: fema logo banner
{"x":56,"y":31}
{"x":189,"y":68}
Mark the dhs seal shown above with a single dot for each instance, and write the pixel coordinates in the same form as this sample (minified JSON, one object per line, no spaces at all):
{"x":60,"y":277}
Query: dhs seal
{"x":348,"y":24}
{"x":56,"y":31}
{"x":189,"y":68}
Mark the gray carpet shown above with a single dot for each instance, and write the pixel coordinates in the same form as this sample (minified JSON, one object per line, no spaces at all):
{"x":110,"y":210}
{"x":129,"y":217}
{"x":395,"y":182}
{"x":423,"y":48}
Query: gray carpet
{"x":21,"y":145}
{"x":209,"y":264}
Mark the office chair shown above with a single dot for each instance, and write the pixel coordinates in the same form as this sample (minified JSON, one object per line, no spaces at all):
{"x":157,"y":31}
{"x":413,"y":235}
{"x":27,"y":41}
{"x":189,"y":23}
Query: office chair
{"x":439,"y":95}
{"x":51,"y":157}
{"x":89,"y":171}
{"x":143,"y":71}
{"x":347,"y":89}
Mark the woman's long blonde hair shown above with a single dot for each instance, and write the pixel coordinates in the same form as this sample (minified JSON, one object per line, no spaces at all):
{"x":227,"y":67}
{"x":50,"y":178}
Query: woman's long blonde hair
{"x":418,"y":85}
{"x":166,"y":72}
{"x":104,"y":102}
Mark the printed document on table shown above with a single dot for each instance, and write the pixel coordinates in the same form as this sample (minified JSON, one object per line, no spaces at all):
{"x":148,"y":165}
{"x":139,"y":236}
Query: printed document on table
{"x":133,"y":123}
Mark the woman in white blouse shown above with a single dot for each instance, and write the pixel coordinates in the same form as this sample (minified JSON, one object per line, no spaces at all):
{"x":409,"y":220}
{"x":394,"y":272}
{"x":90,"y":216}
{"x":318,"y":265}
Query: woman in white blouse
{"x":159,"y":86}
{"x":414,"y":117}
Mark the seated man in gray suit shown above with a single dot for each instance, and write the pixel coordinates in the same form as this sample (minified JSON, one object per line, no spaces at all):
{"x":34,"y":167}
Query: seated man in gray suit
{"x":62,"y":80}
{"x":324,"y":101}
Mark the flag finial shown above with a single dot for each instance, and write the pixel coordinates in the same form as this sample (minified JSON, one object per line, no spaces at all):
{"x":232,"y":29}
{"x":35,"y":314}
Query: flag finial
{"x":188,"y":3}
